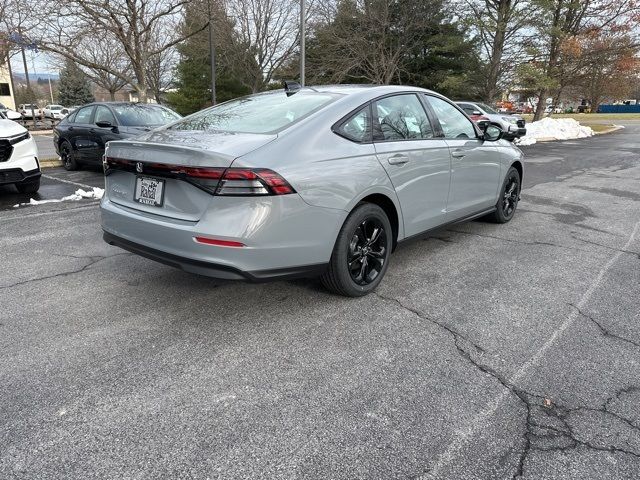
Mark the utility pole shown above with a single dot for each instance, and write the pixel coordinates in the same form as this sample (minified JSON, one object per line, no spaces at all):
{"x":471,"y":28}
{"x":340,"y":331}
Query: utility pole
{"x":303,"y":21}
{"x":26,"y":74}
{"x":50,"y":90}
{"x":212,"y":52}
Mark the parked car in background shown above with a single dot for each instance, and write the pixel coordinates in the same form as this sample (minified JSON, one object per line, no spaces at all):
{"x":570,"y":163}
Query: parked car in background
{"x":27,"y":110}
{"x":18,"y":157}
{"x":9,"y":114}
{"x":67,"y":110}
{"x":480,"y":111}
{"x":321,"y":181}
{"x":81,"y":136}
{"x":53,"y":111}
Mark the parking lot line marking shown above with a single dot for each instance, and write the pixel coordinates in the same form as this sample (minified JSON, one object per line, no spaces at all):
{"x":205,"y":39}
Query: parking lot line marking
{"x":68,"y":181}
{"x":462,"y":436}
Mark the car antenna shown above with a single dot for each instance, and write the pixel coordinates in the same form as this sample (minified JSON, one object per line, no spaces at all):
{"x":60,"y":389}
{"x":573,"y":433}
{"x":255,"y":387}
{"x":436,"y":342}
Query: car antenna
{"x":291,"y":87}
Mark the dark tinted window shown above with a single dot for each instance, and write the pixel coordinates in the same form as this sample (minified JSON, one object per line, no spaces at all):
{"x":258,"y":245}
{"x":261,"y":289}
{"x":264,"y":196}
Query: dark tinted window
{"x":83,"y":115}
{"x":103,"y":114}
{"x":263,"y":113}
{"x":4,"y":89}
{"x":454,"y":124}
{"x":357,"y":127}
{"x":468,"y":108}
{"x":401,"y":117}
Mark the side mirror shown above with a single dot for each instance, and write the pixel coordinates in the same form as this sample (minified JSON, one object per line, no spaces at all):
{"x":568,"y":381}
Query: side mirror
{"x":492,"y":133}
{"x":104,"y":124}
{"x":477,"y":112}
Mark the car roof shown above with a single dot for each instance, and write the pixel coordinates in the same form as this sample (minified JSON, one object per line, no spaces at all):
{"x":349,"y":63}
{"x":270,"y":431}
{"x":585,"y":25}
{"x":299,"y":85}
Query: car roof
{"x":350,"y":89}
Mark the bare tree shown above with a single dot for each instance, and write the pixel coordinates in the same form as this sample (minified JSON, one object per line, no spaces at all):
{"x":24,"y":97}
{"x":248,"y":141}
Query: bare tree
{"x":269,"y":29}
{"x":500,"y":26}
{"x":143,"y":29}
{"x":107,"y":53}
{"x":560,"y":22}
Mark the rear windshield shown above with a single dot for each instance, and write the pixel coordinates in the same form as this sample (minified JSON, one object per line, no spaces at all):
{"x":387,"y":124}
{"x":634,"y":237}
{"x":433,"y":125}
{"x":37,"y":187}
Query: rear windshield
{"x":136,"y":115}
{"x":487,"y":108}
{"x":263,"y":113}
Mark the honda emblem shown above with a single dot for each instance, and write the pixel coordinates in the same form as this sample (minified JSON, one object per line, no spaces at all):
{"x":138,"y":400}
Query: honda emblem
{"x":139,"y":167}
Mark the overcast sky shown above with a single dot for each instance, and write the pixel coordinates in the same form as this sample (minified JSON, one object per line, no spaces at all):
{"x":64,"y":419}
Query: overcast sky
{"x":38,"y":62}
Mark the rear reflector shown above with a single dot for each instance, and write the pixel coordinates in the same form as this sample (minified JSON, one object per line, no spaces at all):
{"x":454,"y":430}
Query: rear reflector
{"x":218,"y":242}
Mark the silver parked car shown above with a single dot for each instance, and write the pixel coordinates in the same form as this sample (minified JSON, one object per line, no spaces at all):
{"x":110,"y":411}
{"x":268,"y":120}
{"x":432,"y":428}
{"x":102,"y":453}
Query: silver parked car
{"x":480,"y":112}
{"x":315,"y":181}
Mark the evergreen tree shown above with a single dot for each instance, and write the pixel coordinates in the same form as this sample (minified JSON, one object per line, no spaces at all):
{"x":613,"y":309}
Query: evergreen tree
{"x":193,"y":72}
{"x":74,"y":87}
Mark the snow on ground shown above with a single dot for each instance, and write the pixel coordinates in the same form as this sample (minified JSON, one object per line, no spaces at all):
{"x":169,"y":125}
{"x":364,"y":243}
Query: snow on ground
{"x":78,"y":195}
{"x":554,"y":129}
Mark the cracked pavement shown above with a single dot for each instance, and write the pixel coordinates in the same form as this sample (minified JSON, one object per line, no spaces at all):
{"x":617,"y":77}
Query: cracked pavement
{"x":488,"y":352}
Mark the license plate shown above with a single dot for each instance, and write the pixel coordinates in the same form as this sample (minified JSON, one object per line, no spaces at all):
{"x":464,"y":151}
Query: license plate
{"x":149,"y":191}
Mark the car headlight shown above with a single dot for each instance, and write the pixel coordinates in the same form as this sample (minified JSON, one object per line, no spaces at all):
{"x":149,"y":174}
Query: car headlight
{"x":510,"y":120}
{"x":19,"y":138}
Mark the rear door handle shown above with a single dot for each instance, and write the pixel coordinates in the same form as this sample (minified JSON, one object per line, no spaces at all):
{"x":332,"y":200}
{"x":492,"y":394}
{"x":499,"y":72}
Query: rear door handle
{"x":458,"y":153}
{"x":398,"y":159}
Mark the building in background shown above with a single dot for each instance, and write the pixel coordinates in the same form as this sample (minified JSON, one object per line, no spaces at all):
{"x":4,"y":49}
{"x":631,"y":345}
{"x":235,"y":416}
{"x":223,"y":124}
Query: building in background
{"x":6,"y":91}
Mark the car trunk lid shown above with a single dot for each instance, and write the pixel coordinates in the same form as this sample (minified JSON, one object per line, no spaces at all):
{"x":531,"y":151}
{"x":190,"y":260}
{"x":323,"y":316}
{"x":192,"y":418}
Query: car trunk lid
{"x":173,"y":173}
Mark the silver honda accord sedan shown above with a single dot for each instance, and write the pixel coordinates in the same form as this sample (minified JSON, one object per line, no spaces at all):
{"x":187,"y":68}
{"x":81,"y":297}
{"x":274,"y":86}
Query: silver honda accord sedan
{"x":321,"y":181}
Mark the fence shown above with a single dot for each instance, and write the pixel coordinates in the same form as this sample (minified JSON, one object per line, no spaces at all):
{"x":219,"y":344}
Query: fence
{"x":619,"y":109}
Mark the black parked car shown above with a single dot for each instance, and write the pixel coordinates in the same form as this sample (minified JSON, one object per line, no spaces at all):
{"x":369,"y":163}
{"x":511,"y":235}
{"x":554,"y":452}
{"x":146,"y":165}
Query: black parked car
{"x":81,"y":136}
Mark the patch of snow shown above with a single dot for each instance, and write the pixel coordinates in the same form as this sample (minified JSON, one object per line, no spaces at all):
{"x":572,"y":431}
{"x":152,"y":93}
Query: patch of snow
{"x":554,"y":129}
{"x":79,"y":194}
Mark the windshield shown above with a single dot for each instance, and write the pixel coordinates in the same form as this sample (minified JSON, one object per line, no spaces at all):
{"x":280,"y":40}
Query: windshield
{"x":486,"y":108}
{"x":136,"y":115}
{"x":262,"y":113}
{"x":55,"y":107}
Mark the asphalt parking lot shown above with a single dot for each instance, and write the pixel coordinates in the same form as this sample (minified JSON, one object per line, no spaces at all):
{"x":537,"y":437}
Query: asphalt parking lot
{"x":488,"y":352}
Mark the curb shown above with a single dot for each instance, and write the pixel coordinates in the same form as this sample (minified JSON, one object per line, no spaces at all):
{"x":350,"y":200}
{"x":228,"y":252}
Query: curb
{"x":40,"y":132}
{"x":614,"y":128}
{"x":50,"y":162}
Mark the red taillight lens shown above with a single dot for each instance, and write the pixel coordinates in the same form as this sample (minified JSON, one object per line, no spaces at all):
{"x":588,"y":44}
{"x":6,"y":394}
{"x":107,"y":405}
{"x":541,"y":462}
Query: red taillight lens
{"x":261,"y":181}
{"x":216,"y":180}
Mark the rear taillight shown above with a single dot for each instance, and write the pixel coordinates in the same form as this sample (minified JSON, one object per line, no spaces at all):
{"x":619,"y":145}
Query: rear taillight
{"x":261,"y":181}
{"x":215,"y":180}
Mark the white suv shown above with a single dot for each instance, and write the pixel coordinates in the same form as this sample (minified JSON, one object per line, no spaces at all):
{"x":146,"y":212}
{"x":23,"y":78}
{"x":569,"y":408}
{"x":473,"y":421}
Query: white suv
{"x":53,"y":112}
{"x":18,"y":157}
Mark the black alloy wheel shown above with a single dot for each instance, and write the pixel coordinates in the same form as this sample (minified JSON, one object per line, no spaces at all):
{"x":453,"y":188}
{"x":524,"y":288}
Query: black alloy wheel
{"x":360,"y":255}
{"x":367,"y":251}
{"x":66,"y":155}
{"x":509,"y":197}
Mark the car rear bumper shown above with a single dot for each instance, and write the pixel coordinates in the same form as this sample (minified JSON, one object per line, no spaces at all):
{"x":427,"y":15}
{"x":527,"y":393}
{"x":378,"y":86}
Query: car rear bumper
{"x":283,"y":237}
{"x":212,"y":269}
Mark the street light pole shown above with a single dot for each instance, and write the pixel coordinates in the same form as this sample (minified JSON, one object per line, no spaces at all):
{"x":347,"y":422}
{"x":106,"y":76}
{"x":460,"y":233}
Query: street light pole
{"x":303,"y":21}
{"x":212,"y":52}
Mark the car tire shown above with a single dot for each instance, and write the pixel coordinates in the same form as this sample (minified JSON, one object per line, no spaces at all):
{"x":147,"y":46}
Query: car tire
{"x":29,"y":187}
{"x":509,"y":198}
{"x":66,"y":155}
{"x":360,"y":256}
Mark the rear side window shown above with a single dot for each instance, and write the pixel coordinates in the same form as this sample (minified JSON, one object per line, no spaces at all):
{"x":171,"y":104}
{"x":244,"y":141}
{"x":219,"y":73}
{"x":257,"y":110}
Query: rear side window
{"x":83,"y":115}
{"x":454,"y":124}
{"x":357,"y":128}
{"x":401,"y":117}
{"x":468,"y":109}
{"x":103,"y":114}
{"x":263,"y":113}
{"x":136,"y":115}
